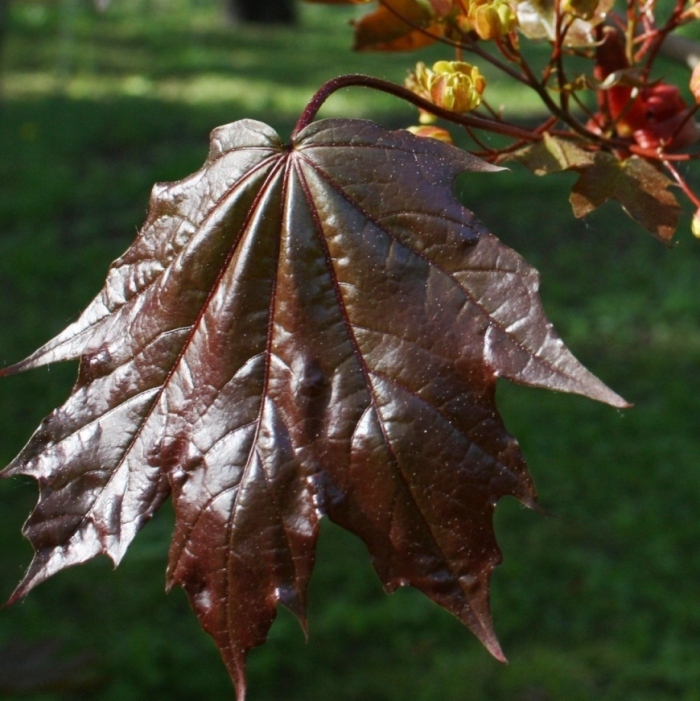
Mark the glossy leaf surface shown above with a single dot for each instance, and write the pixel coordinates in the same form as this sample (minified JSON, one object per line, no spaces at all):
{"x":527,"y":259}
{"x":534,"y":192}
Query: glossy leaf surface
{"x":299,"y":330}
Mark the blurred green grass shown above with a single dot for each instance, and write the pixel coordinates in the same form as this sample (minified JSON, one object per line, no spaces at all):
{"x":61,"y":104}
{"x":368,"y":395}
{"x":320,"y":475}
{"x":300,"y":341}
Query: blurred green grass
{"x":598,"y":603}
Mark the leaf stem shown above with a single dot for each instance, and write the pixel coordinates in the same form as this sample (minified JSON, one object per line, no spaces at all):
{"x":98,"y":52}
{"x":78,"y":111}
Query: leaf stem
{"x":682,"y":184}
{"x":366,"y":81}
{"x":661,"y":34}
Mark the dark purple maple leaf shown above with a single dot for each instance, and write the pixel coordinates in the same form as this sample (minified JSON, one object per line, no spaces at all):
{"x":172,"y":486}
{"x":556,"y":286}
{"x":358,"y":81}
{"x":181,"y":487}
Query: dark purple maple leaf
{"x":299,"y":330}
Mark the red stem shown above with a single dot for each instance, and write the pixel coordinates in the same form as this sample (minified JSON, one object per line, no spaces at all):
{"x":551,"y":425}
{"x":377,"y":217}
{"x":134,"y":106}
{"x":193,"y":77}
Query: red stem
{"x":654,"y":155}
{"x":662,"y":33}
{"x":468,"y":120}
{"x":682,"y":184}
{"x":366,"y":81}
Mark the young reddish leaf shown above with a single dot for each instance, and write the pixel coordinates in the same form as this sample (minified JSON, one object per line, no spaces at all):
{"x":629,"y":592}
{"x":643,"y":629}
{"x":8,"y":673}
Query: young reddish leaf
{"x":537,"y":20}
{"x":442,"y":8}
{"x":297,"y":331}
{"x":639,"y":187}
{"x":384,"y":30}
{"x":551,"y":155}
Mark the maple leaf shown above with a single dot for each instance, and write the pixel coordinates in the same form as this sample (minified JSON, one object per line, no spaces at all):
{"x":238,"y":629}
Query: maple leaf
{"x":636,"y":184}
{"x":384,"y":29}
{"x":298,"y":330}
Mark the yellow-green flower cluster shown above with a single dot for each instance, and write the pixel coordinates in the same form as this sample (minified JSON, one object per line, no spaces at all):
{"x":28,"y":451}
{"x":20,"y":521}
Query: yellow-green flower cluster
{"x":454,"y":85}
{"x":490,"y":19}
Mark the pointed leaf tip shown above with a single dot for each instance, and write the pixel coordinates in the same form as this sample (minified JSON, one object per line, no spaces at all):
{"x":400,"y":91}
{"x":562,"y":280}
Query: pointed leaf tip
{"x":487,"y":635}
{"x":238,"y":675}
{"x":496,"y":651}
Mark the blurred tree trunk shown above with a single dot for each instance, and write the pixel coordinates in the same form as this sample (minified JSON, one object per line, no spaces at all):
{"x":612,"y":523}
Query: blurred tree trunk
{"x":260,"y":11}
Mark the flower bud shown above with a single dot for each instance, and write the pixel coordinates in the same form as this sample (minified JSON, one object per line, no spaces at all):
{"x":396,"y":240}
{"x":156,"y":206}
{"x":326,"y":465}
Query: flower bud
{"x":431,"y":132}
{"x":419,"y":81}
{"x":695,"y":225}
{"x":490,"y":19}
{"x":453,"y":85}
{"x":695,"y":83}
{"x":457,"y":86}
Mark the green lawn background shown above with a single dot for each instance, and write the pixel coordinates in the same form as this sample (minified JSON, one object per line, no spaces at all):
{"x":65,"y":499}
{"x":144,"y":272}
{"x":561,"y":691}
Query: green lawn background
{"x":596,"y":603}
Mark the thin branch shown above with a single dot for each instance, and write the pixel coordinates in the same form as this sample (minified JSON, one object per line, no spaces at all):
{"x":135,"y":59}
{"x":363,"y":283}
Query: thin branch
{"x":556,"y":110}
{"x":469,"y":46}
{"x":479,"y":142}
{"x":498,"y":116}
{"x":656,"y":155}
{"x":663,"y":34}
{"x":582,"y":105}
{"x":366,"y":81}
{"x":682,"y":184}
{"x":562,"y":29}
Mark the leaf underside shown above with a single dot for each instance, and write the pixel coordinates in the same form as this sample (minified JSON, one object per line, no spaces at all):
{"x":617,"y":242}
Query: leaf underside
{"x":637,"y":185}
{"x":384,"y":29}
{"x":642,"y":190}
{"x":298,"y":330}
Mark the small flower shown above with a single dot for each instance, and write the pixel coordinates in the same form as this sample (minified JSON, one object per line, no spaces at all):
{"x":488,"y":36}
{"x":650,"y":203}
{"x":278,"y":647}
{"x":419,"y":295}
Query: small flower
{"x":457,"y":86}
{"x":490,"y":19}
{"x":426,"y":118}
{"x":452,"y":85}
{"x":419,"y":81}
{"x":695,"y":83}
{"x":537,"y":20}
{"x":695,"y":225}
{"x":425,"y":130}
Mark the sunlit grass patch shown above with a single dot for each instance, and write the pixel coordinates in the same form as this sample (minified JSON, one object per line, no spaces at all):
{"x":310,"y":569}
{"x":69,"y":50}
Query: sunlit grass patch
{"x":185,"y":52}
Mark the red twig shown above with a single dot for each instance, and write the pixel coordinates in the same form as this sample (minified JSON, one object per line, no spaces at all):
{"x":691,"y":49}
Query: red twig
{"x":486,"y":148}
{"x":671,"y":23}
{"x":366,"y":81}
{"x":682,"y":184}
